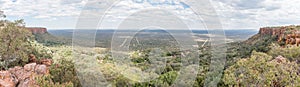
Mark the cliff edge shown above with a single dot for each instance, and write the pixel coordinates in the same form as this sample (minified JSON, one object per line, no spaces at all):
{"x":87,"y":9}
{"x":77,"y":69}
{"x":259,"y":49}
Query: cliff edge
{"x":37,"y":30}
{"x":282,"y":34}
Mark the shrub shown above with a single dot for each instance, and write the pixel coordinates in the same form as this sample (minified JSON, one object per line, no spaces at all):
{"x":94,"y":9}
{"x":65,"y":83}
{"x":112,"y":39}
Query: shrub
{"x":14,"y":45}
{"x":260,"y":70}
{"x":292,"y":53}
{"x":46,"y":81}
{"x":164,"y":80}
{"x":64,"y":71}
{"x":40,"y":51}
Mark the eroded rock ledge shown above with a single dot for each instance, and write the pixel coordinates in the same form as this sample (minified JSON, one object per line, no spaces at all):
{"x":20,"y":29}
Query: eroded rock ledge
{"x":24,"y":76}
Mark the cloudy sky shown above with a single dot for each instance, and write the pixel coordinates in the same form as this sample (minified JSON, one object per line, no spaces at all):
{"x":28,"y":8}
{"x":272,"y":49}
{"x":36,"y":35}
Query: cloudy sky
{"x":233,"y":14}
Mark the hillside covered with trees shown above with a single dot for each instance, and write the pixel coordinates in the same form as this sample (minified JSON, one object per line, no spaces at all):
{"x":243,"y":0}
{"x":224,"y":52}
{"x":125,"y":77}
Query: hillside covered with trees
{"x":269,"y":58}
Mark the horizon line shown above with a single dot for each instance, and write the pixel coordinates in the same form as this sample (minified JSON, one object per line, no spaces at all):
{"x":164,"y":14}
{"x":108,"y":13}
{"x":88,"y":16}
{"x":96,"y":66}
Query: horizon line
{"x":152,"y":29}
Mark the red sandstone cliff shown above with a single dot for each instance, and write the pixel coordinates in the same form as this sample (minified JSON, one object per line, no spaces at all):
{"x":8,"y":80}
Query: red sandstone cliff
{"x":279,"y":30}
{"x":37,"y":30}
{"x":285,"y":34}
{"x":275,"y":31}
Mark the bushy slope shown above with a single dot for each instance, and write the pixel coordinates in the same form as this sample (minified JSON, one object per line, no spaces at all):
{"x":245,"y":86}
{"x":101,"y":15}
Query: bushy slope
{"x":49,"y":40}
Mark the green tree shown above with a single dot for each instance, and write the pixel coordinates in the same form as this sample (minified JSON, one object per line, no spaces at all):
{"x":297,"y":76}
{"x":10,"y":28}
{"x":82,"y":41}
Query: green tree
{"x":2,"y":17}
{"x":63,"y":72}
{"x":46,"y":81}
{"x":2,"y":14}
{"x":261,"y":70}
{"x":14,"y":43}
{"x":292,"y":53}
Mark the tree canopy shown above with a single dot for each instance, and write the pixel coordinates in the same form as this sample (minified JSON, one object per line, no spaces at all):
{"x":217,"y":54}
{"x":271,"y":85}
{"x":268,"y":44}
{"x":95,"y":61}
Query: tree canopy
{"x":14,"y":42}
{"x":261,"y":70}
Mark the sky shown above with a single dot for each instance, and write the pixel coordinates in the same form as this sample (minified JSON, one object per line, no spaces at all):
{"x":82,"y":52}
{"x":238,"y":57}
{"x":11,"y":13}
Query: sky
{"x":232,"y":14}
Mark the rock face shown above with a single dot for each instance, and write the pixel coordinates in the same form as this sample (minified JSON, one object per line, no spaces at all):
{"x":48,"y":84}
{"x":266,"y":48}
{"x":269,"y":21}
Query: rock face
{"x":37,"y":30}
{"x":286,"y":34}
{"x":275,"y":31}
{"x":7,"y":79}
{"x":23,"y":76}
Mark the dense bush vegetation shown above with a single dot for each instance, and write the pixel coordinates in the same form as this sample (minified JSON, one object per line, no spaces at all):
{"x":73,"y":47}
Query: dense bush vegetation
{"x":49,"y":40}
{"x":244,"y":66}
{"x":63,"y":71}
{"x":40,"y":51}
{"x":17,"y":43}
{"x":261,"y":70}
{"x":237,"y":53}
{"x":46,"y":81}
{"x":14,"y":44}
{"x":292,"y":53}
{"x":257,"y":43}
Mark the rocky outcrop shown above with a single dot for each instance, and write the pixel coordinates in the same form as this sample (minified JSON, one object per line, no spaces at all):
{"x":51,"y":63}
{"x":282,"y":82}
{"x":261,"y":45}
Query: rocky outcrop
{"x":24,"y":76}
{"x":285,"y":34}
{"x":7,"y":79}
{"x":37,"y":30}
{"x":275,"y":31}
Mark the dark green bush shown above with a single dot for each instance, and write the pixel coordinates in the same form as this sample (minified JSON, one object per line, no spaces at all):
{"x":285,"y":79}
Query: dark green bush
{"x":14,"y":44}
{"x":46,"y":81}
{"x":64,"y":71}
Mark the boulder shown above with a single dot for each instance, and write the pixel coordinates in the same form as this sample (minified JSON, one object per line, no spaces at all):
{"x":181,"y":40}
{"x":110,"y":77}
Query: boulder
{"x":47,"y":62}
{"x":24,"y":76}
{"x":29,"y":67}
{"x":7,"y":79}
{"x":21,"y":74}
{"x":41,"y":69}
{"x":28,"y":82}
{"x":297,"y":41}
{"x":32,"y":58}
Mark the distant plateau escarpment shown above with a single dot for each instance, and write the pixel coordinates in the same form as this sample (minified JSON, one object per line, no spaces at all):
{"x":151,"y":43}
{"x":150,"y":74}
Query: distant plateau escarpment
{"x":37,"y":30}
{"x":285,"y":35}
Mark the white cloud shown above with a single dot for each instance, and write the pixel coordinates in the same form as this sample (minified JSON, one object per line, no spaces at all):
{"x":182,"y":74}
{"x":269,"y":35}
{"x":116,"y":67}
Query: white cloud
{"x":162,"y":10}
{"x":254,"y":14}
{"x":234,"y":14}
{"x":42,"y":8}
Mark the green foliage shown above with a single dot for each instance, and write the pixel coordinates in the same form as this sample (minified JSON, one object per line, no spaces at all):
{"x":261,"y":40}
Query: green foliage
{"x":121,"y":81}
{"x":14,"y":44}
{"x":2,"y":15}
{"x":49,"y":40}
{"x":64,"y":71}
{"x":259,"y":44}
{"x":164,"y":80}
{"x":46,"y":81}
{"x":264,"y":44}
{"x":261,"y":70}
{"x":248,"y":71}
{"x":238,"y":50}
{"x":40,"y":51}
{"x":292,"y":53}
{"x":139,"y":57}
